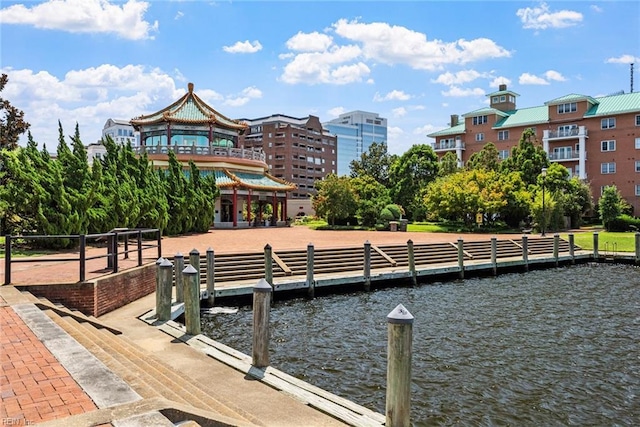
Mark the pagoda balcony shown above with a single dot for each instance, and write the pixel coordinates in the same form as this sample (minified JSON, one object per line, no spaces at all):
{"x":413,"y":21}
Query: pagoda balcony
{"x":197,"y":150}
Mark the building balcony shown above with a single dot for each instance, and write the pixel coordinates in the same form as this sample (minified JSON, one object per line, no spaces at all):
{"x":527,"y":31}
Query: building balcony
{"x":559,"y":157}
{"x":566,"y":133}
{"x":195,"y":150}
{"x":439,"y":147}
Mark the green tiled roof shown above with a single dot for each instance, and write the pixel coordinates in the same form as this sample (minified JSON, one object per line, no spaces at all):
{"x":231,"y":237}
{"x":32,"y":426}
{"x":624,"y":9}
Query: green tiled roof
{"x":523,"y":117}
{"x":615,"y":104}
{"x":256,"y":181}
{"x":222,"y":179}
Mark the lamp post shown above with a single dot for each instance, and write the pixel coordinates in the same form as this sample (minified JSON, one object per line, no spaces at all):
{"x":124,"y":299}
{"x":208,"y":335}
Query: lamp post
{"x":544,"y":218}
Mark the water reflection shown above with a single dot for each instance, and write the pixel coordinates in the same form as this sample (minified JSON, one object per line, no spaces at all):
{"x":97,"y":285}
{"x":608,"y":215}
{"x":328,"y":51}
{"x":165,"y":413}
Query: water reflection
{"x":548,"y":347}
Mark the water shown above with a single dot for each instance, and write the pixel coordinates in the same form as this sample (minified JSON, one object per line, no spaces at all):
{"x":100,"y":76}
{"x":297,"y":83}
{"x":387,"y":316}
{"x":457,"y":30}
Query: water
{"x":558,"y":347}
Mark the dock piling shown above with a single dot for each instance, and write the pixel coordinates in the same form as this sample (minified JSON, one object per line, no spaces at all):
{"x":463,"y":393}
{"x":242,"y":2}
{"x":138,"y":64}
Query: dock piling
{"x":311,"y":285}
{"x":191,"y":300}
{"x":261,"y":309}
{"x":637,"y":248}
{"x":461,"y":256}
{"x":194,"y":260}
{"x":399,"y":342}
{"x":268,"y":267}
{"x":367,"y":266}
{"x":163,"y":292}
{"x":556,"y":248}
{"x":572,"y":253}
{"x":211,"y":277}
{"x":178,"y":259}
{"x":596,"y":254}
{"x":494,"y":255}
{"x":525,"y":252}
{"x":412,"y":262}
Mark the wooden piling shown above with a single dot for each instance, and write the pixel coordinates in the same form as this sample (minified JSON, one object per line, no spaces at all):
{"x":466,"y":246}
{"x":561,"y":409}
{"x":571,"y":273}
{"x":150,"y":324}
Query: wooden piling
{"x":268,"y":267}
{"x":412,"y":262}
{"x":194,"y":260}
{"x":163,"y":292}
{"x":158,"y":262}
{"x":261,"y":309}
{"x":461,"y":256}
{"x":178,"y":259}
{"x":494,"y":255}
{"x":572,"y":252}
{"x":596,"y":255}
{"x":367,"y":266}
{"x":525,"y":252}
{"x":311,"y":284}
{"x":400,"y":335}
{"x":556,"y":248}
{"x":637,"y":248}
{"x":191,"y":300}
{"x":211,"y":277}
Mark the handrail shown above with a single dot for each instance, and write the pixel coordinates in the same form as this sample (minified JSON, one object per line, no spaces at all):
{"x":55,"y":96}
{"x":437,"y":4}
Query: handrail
{"x":111,"y":255}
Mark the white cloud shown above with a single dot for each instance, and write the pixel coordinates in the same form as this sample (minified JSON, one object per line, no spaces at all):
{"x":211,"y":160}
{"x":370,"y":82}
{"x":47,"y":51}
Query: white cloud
{"x":179,"y":15}
{"x":396,"y":142}
{"x":499,"y":81}
{"x":541,"y":17}
{"x":394,"y":95}
{"x":623,"y":59}
{"x":459,"y":92}
{"x":460,"y":77}
{"x":530,"y":79}
{"x":84,"y":16}
{"x":423,"y":130}
{"x":596,"y":8}
{"x":309,"y":42}
{"x":245,"y":96}
{"x":399,"y":112}
{"x":211,"y":97}
{"x":243,"y":47}
{"x":325,"y":67}
{"x":555,"y":76}
{"x":336,"y":111}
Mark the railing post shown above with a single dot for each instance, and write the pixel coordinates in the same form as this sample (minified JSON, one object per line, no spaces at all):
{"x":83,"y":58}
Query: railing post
{"x":311,"y":284}
{"x":494,"y":255}
{"x":211,"y":277}
{"x":126,"y":246}
{"x":596,"y":255}
{"x":115,"y":252}
{"x":572,"y":252}
{"x":139,"y":248}
{"x":412,"y":262}
{"x":461,"y":257}
{"x":637,"y":248}
{"x":191,"y":300}
{"x":261,"y":309}
{"x":7,"y":259}
{"x":525,"y":252}
{"x":163,"y":292}
{"x":367,"y":266}
{"x":178,"y":259}
{"x":83,"y":257}
{"x":399,"y":341}
{"x":556,"y":248}
{"x":194,"y":260}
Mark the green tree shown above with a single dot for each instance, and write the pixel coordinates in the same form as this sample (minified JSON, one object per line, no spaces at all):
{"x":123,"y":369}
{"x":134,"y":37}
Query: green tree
{"x":375,"y":162}
{"x":610,"y":205}
{"x":12,"y":123}
{"x":372,"y":196}
{"x":335,"y":198}
{"x":411,"y":173}
{"x":528,"y":158}
{"x":176,"y":190}
{"x":448,"y":164}
{"x":487,"y":158}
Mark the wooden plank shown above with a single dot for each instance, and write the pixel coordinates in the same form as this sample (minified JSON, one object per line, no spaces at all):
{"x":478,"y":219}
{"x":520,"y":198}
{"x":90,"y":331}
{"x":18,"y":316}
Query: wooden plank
{"x":384,"y":255}
{"x":281,"y":263}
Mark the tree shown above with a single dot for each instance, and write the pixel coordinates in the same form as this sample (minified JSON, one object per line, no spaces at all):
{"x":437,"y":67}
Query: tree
{"x":528,"y":158}
{"x":487,"y":158}
{"x":410,"y":174}
{"x":375,"y":162}
{"x":335,"y":198}
{"x":372,"y":197}
{"x":610,"y":205}
{"x":448,"y":164}
{"x":12,"y":123}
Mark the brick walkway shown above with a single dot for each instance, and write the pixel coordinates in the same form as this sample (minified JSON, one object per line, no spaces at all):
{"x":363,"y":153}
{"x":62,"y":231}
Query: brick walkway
{"x":34,"y":385}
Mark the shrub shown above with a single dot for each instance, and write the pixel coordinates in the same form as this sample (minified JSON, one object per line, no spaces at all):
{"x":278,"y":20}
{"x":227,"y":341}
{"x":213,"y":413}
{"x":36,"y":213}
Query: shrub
{"x":624,"y":223}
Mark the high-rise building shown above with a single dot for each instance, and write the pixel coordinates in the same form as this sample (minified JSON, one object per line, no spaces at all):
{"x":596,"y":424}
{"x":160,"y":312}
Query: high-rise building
{"x":356,"y":131}
{"x":297,"y":150}
{"x":596,"y":139}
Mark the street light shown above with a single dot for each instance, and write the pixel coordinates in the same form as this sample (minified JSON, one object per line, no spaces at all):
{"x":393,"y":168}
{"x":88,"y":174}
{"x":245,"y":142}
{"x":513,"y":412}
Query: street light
{"x":544,"y":218}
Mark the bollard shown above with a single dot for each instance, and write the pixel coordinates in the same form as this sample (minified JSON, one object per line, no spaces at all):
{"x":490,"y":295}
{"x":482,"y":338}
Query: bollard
{"x":194,"y":260}
{"x":572,"y":253}
{"x":398,"y":403}
{"x":637,"y":248}
{"x":261,"y":309}
{"x":367,"y":266}
{"x":556,"y":247}
{"x":412,"y":262}
{"x":461,"y":257}
{"x":525,"y":252}
{"x":211,"y":277}
{"x":494,"y":255}
{"x":311,"y":284}
{"x":163,"y":292}
{"x":179,"y":261}
{"x":191,"y":300}
{"x":268,"y":267}
{"x":596,"y":255}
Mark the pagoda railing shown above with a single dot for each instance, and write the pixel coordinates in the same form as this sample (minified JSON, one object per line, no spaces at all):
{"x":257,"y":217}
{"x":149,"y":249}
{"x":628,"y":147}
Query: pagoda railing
{"x":198,"y":150}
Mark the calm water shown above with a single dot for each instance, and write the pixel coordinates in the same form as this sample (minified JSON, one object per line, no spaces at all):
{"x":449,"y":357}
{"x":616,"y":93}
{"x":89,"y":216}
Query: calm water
{"x":544,"y":348}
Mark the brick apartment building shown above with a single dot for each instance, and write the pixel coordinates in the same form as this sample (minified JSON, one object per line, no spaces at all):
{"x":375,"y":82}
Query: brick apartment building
{"x":596,"y":139}
{"x":298,"y":150}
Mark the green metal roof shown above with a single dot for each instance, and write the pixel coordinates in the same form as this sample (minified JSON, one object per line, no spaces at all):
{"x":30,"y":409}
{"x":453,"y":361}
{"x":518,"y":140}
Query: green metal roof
{"x":523,"y":117}
{"x":485,"y":110}
{"x":615,"y":104}
{"x":457,"y":129}
{"x":572,"y":97}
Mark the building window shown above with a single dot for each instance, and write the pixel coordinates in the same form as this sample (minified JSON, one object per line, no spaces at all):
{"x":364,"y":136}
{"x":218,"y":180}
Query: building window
{"x":637,"y":120}
{"x":608,"y":168}
{"x":637,"y":190}
{"x":608,"y":145}
{"x":512,"y":99}
{"x":495,"y":100}
{"x":480,"y":136}
{"x":609,"y":123}
{"x":503,"y":98}
{"x":503,"y":154}
{"x":637,"y":143}
{"x":503,"y":135}
{"x":478,"y":120}
{"x":637,"y":165}
{"x":569,"y":107}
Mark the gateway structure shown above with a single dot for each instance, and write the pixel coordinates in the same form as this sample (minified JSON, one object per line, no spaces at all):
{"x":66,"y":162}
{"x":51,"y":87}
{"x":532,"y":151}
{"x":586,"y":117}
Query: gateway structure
{"x":249,"y":195}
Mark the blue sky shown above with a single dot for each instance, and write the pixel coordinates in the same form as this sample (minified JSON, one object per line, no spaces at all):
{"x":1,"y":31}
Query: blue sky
{"x":415,"y":63}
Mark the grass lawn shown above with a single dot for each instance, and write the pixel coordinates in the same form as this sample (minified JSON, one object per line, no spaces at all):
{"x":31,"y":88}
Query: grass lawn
{"x":618,"y":242}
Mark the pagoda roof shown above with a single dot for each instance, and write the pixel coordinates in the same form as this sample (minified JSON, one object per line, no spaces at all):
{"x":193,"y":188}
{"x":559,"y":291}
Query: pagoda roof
{"x":189,"y":109}
{"x":254,"y":181}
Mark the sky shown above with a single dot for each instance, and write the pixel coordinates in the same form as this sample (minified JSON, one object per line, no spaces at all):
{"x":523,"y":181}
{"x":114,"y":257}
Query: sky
{"x":414,"y":63}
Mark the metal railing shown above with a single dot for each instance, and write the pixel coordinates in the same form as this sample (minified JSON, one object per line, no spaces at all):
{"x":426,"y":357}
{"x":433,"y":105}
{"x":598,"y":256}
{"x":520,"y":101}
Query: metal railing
{"x":113,"y":242}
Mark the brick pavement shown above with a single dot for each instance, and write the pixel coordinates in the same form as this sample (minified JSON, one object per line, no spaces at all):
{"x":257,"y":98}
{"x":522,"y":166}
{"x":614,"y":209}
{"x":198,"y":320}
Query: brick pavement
{"x":34,"y":385}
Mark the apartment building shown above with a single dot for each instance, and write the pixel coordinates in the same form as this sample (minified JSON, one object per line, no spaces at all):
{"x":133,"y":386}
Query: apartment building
{"x":356,"y":131}
{"x":298,"y":150}
{"x":595,"y":138}
{"x":121,"y":131}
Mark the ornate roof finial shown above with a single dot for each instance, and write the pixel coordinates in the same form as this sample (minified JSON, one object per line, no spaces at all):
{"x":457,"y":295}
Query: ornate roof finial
{"x":190,"y":86}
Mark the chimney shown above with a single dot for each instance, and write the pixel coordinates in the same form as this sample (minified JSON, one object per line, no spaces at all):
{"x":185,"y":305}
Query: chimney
{"x":454,"y":120}
{"x":503,"y":87}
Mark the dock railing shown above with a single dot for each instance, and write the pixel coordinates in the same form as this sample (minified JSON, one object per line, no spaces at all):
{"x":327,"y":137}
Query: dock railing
{"x":113,"y":239}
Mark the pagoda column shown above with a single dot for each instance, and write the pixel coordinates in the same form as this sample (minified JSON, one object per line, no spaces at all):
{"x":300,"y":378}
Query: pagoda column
{"x":235,"y":207}
{"x":249,"y":207}
{"x":168,"y":135}
{"x":284,"y":206}
{"x":275,"y":208}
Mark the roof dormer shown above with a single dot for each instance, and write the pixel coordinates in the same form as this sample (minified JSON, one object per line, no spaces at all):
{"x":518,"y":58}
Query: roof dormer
{"x":503,"y":99}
